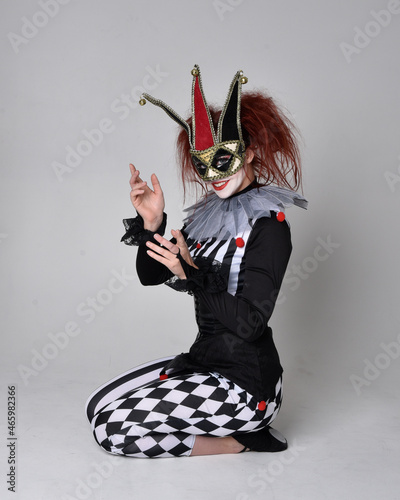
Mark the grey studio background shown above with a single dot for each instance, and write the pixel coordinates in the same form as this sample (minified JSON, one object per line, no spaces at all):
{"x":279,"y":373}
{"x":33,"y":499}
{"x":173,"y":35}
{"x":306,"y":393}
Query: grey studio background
{"x":73,"y":312}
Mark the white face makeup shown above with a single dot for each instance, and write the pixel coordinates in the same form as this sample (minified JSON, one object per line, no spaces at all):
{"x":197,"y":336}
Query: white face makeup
{"x":236,"y":182}
{"x":231,"y":185}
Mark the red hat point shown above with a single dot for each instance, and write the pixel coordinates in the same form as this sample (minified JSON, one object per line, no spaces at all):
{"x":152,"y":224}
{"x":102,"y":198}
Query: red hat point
{"x":203,"y":136}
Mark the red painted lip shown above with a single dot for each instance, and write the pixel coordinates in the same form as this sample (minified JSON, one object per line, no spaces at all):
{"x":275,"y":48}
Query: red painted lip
{"x":219,"y":187}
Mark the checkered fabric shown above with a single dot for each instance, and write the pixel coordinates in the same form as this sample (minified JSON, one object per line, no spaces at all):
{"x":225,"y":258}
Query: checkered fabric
{"x":161,"y":418}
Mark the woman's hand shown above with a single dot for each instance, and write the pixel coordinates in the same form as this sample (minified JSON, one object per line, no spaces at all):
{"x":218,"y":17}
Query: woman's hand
{"x":168,"y":253}
{"x":181,"y":244}
{"x":149,"y":203}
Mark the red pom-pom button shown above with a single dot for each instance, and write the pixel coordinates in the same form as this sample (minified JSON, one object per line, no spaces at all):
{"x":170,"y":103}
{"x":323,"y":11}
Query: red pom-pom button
{"x":198,"y":245}
{"x":280,"y":216}
{"x":240,"y":242}
{"x":262,"y":405}
{"x":164,"y":376}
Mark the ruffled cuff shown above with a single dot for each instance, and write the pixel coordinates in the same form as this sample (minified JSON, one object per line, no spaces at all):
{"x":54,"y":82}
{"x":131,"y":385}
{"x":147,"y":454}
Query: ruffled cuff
{"x":136,"y":234}
{"x":212,"y":277}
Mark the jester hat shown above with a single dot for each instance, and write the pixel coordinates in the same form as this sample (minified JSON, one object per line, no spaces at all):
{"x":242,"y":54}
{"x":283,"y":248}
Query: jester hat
{"x":215,"y":154}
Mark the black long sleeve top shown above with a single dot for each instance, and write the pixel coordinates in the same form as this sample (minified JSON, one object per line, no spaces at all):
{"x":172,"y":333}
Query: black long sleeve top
{"x":233,"y":337}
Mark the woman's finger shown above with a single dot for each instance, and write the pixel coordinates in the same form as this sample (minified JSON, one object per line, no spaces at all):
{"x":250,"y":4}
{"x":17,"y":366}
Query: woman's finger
{"x":137,"y":190}
{"x":156,"y":256}
{"x":165,"y":252}
{"x":173,"y":265}
{"x":183,"y":248}
{"x":159,"y":258}
{"x":134,"y":172}
{"x":139,"y":185}
{"x":166,"y":243}
{"x":180,"y":240}
{"x":156,"y":184}
{"x":135,"y":178}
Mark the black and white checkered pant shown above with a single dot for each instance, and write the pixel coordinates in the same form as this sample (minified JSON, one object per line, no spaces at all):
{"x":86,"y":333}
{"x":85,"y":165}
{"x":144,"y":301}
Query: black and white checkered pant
{"x":138,"y":415}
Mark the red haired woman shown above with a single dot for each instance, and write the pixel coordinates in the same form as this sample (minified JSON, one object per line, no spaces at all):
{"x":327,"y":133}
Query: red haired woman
{"x":231,"y":255}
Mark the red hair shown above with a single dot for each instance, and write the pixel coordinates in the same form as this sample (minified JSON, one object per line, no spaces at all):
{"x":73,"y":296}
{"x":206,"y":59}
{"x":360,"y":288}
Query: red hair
{"x":267,"y":132}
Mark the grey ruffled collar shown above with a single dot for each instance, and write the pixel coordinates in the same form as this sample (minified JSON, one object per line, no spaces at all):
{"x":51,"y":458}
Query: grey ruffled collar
{"x":213,"y":217}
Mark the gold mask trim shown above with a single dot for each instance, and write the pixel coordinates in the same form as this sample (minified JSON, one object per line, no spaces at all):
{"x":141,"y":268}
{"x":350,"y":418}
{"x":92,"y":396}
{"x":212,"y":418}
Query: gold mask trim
{"x":236,"y":149}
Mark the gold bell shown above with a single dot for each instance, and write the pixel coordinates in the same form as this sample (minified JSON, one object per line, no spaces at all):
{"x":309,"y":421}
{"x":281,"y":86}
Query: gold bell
{"x":244,"y":80}
{"x":142,"y":101}
{"x":195,"y":72}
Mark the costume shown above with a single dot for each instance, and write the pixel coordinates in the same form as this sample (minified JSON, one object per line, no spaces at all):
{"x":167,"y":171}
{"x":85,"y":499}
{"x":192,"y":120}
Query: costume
{"x":215,"y":154}
{"x":230,"y":381}
{"x":139,"y":415}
